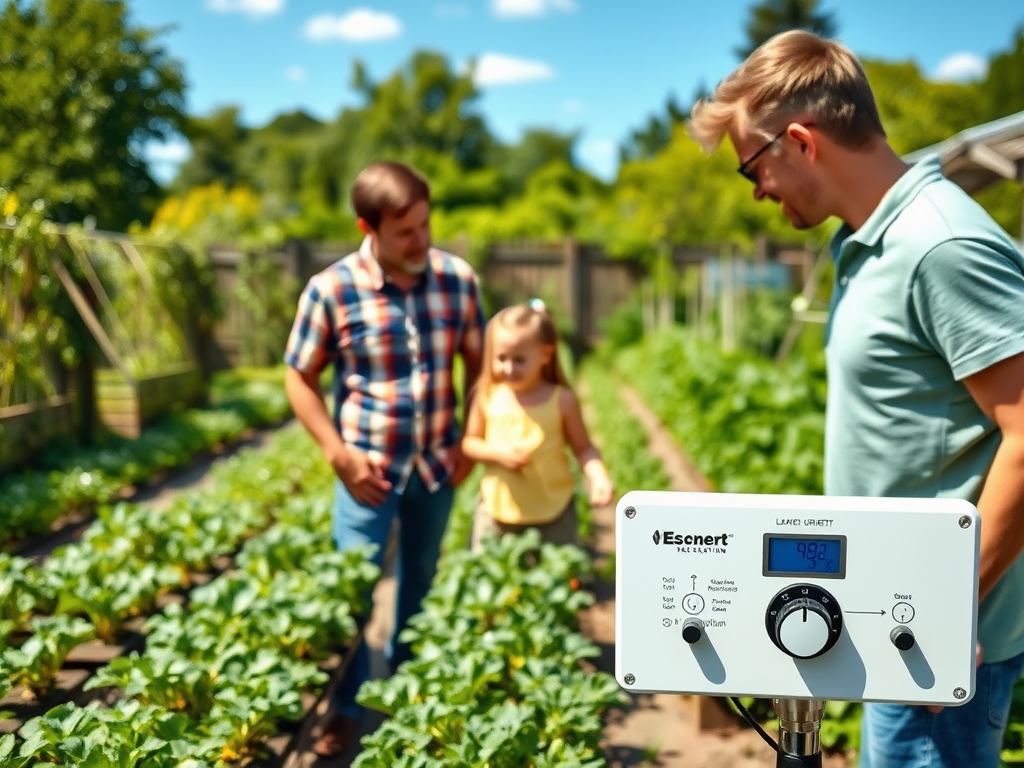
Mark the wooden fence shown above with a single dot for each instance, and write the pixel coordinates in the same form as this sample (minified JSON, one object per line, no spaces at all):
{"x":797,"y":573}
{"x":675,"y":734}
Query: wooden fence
{"x":583,"y":285}
{"x":257,"y":293}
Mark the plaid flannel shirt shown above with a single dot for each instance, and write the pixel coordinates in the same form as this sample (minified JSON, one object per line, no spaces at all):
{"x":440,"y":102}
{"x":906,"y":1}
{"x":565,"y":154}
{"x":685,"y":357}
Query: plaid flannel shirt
{"x":392,"y":354}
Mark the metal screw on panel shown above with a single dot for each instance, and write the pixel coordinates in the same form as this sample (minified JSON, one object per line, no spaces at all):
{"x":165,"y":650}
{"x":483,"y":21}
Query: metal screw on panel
{"x":630,"y":512}
{"x":965,"y":522}
{"x":959,"y":693}
{"x":629,"y":679}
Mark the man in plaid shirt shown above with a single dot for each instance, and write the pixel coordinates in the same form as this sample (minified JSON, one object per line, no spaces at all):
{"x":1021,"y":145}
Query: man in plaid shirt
{"x":390,"y":318}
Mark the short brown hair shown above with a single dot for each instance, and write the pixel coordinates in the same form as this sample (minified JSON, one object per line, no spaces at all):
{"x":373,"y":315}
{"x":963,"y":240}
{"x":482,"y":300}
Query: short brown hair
{"x":387,"y":187}
{"x":793,"y":75}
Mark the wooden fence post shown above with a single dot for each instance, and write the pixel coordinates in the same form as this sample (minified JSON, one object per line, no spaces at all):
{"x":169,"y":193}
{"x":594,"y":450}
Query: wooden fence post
{"x":298,"y":259}
{"x":572,"y":289}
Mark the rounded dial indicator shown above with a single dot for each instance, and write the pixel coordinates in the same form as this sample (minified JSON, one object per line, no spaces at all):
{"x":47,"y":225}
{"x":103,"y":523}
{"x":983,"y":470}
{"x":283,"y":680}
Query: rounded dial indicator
{"x":804,"y":620}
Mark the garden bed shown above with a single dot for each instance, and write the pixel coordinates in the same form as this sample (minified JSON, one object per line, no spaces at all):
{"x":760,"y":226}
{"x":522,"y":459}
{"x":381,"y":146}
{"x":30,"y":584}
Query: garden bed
{"x":25,"y":429}
{"x":125,"y":407}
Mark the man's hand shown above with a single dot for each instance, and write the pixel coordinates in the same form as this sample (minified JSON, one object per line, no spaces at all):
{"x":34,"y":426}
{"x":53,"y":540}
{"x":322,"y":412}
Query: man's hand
{"x":978,"y":655}
{"x":463,"y":465}
{"x":363,"y":479}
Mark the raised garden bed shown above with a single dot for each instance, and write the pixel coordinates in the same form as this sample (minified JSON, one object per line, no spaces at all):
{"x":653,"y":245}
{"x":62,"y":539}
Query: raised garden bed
{"x":125,"y":407}
{"x":26,"y":428}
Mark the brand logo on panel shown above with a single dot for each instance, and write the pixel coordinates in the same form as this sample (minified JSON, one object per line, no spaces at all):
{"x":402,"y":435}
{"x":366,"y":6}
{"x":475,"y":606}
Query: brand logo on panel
{"x":693,"y":542}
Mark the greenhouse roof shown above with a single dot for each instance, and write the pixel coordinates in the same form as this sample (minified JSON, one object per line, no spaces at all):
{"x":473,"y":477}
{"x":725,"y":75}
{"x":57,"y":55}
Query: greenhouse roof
{"x":980,"y":156}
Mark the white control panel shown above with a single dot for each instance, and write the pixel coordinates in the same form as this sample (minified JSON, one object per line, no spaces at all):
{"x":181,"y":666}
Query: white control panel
{"x":836,"y":598}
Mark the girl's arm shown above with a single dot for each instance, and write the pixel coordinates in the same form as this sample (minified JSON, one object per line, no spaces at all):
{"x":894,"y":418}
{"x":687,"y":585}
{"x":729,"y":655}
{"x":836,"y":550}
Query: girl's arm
{"x":601,"y":490}
{"x":476,"y":447}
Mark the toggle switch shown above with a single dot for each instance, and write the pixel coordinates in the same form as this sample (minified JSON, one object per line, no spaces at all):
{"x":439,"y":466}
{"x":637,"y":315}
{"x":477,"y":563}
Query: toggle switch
{"x":902,"y":637}
{"x":693,"y":630}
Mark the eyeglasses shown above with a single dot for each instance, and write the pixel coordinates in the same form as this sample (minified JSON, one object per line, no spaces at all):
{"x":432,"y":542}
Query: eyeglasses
{"x":744,"y":169}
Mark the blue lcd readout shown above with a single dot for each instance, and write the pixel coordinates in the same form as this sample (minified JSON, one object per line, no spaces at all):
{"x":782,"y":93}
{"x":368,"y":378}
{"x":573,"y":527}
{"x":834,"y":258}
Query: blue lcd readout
{"x":804,"y":555}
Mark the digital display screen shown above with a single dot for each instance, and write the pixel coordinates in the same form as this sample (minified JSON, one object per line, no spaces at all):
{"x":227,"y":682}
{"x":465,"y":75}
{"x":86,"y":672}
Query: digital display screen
{"x":811,"y":555}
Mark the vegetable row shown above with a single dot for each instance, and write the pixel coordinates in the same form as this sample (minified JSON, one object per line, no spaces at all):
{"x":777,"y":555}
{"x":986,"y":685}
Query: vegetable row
{"x":69,"y":479}
{"x":220,"y":674}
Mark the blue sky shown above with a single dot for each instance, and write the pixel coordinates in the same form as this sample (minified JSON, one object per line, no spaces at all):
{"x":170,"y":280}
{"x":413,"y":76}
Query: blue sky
{"x":599,"y":67}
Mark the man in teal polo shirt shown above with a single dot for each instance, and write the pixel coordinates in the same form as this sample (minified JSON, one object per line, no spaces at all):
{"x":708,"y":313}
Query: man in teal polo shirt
{"x":925,"y":347}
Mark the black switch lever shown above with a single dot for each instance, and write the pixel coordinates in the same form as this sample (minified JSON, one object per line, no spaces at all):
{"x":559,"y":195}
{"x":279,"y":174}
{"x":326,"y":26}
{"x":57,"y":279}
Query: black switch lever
{"x":902,"y":637}
{"x":693,"y":630}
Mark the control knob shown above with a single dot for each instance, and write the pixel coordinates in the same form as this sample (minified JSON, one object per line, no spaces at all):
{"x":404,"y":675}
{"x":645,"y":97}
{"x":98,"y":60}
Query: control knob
{"x":804,"y":621}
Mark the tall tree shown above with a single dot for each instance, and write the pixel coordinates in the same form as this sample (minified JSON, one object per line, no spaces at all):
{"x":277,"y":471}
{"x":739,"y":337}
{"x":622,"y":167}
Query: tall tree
{"x":538,"y":148}
{"x":917,"y":112}
{"x":771,"y":17}
{"x":1003,"y":86}
{"x":82,"y":90}
{"x":646,"y":142}
{"x":276,"y":156}
{"x":216,"y":141}
{"x":424,"y":106}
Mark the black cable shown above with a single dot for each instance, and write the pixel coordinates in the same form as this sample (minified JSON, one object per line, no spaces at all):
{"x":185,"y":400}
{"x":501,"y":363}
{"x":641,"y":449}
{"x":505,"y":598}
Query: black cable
{"x":754,"y":724}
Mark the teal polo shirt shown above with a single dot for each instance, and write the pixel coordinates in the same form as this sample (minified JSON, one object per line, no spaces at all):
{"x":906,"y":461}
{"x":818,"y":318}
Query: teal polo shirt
{"x":927,"y":292}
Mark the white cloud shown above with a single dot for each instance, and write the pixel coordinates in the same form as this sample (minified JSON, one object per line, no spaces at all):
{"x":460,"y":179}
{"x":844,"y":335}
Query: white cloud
{"x":961,"y":66}
{"x":498,"y":69}
{"x":358,"y":25}
{"x":295,"y":73}
{"x":600,"y":157}
{"x":451,"y":11}
{"x":520,"y":8}
{"x":165,"y":157}
{"x":248,"y":7}
{"x":572,"y":106}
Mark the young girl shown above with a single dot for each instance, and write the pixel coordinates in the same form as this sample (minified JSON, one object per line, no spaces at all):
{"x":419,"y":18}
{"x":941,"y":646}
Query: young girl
{"x":524,"y":414}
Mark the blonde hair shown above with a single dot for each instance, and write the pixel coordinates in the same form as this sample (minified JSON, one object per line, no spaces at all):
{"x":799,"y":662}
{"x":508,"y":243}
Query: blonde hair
{"x":533,"y":317}
{"x":794,"y":75}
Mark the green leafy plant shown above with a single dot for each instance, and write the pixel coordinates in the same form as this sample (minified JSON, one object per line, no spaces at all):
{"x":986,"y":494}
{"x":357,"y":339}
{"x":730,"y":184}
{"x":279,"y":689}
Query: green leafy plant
{"x":69,"y":478}
{"x":125,"y":736}
{"x":496,"y":679}
{"x":750,"y":425}
{"x":36,"y":664}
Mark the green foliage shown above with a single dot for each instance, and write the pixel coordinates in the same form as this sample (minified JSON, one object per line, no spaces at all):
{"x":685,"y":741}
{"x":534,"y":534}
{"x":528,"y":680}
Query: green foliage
{"x":427,"y":114}
{"x":625,"y":326}
{"x":69,"y":478}
{"x":645,"y":143}
{"x":496,"y":679}
{"x":270,"y":296}
{"x":217,"y":680}
{"x":216,"y":141}
{"x":40,"y":324}
{"x":624,"y":442}
{"x":749,"y":425}
{"x":36,"y":663}
{"x":770,"y":17}
{"x":917,"y":112}
{"x":1003,"y":86}
{"x":91,"y":88}
{"x":538,"y":148}
{"x":684,"y":196}
{"x":1004,"y":201}
{"x":124,"y":736}
{"x":1013,"y":739}
{"x":423,"y":106}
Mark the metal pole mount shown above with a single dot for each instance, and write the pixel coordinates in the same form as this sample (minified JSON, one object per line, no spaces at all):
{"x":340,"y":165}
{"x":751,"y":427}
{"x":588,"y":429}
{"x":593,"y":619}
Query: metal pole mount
{"x":799,"y":732}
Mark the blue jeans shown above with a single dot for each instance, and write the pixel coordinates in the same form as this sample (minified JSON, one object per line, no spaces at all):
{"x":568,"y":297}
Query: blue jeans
{"x":970,"y":736}
{"x":422,"y":518}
